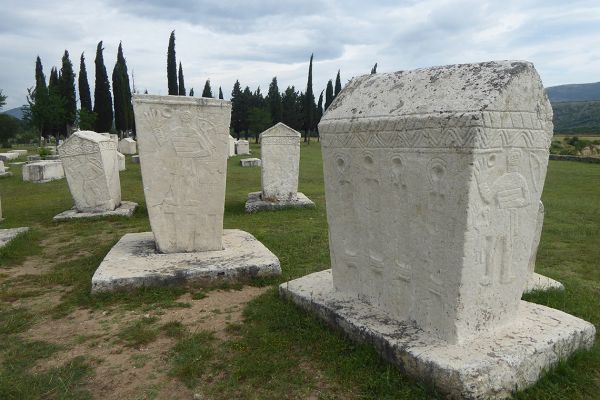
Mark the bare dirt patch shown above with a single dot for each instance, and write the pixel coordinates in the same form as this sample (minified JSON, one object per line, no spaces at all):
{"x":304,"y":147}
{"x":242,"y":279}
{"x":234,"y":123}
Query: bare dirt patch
{"x":122,"y":371}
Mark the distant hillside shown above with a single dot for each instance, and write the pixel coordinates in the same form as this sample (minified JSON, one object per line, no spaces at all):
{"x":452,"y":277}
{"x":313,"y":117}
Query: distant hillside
{"x":574,"y":92}
{"x":577,"y":117}
{"x":576,"y":108}
{"x":15,"y":112}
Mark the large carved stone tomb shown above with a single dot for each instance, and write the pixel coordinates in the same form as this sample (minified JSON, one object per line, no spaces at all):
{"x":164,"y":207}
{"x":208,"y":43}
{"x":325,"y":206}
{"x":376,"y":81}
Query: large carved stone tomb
{"x":433,"y":180}
{"x":183,"y":145}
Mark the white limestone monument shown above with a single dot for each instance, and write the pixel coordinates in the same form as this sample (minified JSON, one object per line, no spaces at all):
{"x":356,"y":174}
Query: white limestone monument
{"x":231,"y":147}
{"x":242,"y":147}
{"x":183,"y":148}
{"x":280,"y":152}
{"x":433,"y":179}
{"x":127,"y":146}
{"x":91,"y":164}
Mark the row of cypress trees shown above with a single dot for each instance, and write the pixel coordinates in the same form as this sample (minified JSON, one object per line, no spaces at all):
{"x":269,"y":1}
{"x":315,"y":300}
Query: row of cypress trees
{"x":52,"y":108}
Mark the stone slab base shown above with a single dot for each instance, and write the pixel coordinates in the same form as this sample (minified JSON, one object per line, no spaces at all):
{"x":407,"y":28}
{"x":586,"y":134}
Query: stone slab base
{"x":6,"y":235}
{"x":541,"y":282}
{"x":126,"y":209}
{"x":133,"y":262}
{"x":489,"y":367}
{"x":5,"y":174}
{"x":256,"y":203}
{"x":250,"y":162}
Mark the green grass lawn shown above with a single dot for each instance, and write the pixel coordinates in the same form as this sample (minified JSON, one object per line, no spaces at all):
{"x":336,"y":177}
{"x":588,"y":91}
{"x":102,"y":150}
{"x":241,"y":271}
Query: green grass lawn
{"x":277,"y":351}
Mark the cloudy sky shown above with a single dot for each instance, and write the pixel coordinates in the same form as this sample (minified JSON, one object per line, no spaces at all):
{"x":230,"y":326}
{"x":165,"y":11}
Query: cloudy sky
{"x":253,"y":41}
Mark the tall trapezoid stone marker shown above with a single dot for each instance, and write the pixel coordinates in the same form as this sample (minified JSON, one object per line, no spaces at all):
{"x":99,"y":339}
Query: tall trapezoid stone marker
{"x":433,"y":179}
{"x":183,"y":147}
{"x":280,"y":158}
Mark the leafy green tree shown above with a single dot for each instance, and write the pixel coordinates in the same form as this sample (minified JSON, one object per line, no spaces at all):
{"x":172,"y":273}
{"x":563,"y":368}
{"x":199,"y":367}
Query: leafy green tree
{"x":10,"y":127}
{"x":2,"y":99}
{"x":309,"y":104}
{"x":259,"y":119}
{"x":329,"y":96}
{"x":84,"y":88}
{"x":181,"y":84}
{"x":103,"y":106}
{"x":67,"y":91}
{"x":274,"y":101}
{"x":172,"y":66}
{"x":207,"y":92}
{"x":122,"y":94}
{"x":220,"y":93}
{"x":338,"y":85}
{"x":86,"y":120}
{"x":236,"y":108}
{"x":289,"y":101}
{"x":374,"y":69}
{"x":56,"y":125}
{"x":192,"y":92}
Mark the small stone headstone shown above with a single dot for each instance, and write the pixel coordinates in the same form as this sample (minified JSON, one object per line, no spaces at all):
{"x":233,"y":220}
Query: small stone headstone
{"x":242,"y":147}
{"x":91,"y":165}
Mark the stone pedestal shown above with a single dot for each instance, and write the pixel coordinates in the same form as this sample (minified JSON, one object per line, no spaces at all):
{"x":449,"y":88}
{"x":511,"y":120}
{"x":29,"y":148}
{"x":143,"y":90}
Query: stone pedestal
{"x":280,"y":152}
{"x":121,"y":161}
{"x":91,"y":165}
{"x":8,"y":156}
{"x":4,"y":170}
{"x":433,"y":179}
{"x":183,"y":148}
{"x":43,"y":171}
{"x":250,"y":162}
{"x":242,"y":147}
{"x":127,"y":146}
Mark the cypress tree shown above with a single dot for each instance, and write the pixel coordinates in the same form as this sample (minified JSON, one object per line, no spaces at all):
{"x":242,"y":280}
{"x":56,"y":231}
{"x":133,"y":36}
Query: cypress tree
{"x":172,"y":66}
{"x":84,"y":88}
{"x":309,"y":104}
{"x":274,"y":101}
{"x":329,"y":94}
{"x":236,"y":99}
{"x":192,"y":92}
{"x":374,"y":69}
{"x":39,"y":98}
{"x":320,"y":107}
{"x":220,"y":93}
{"x":122,"y":94}
{"x":181,"y":85}
{"x":67,"y":91}
{"x":338,"y":85}
{"x":102,"y":96}
{"x":288,"y":107}
{"x":53,"y":80}
{"x":245,"y":109}
{"x":207,"y":92}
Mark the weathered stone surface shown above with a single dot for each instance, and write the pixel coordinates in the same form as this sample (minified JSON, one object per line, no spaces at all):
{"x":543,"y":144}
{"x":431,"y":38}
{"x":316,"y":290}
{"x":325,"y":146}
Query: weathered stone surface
{"x":250,"y":162}
{"x":433,"y":179}
{"x":19,"y":152}
{"x":488,"y":367}
{"x":134,"y":262}
{"x":256,"y":203}
{"x":231,"y":146}
{"x":537,"y":281}
{"x":280,"y":152}
{"x":4,"y":170}
{"x":7,"y":235}
{"x":135,"y":159}
{"x":8,"y":156}
{"x":183,"y":151}
{"x":125,"y":209}
{"x":43,"y":171}
{"x":91,"y":165}
{"x":34,"y":157}
{"x":127,"y":146}
{"x":242,"y":147}
{"x":121,"y":161}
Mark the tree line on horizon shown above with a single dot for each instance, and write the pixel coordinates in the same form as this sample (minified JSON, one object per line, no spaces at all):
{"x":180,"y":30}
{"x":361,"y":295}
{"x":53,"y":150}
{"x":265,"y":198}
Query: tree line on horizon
{"x":52,"y":108}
